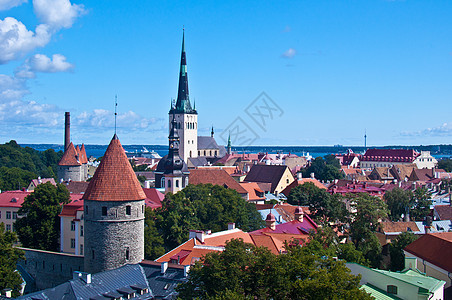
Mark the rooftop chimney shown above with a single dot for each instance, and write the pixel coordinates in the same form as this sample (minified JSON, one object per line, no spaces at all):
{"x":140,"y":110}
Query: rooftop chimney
{"x":231,"y":226}
{"x":299,"y":214}
{"x":86,"y":277}
{"x":271,"y":221}
{"x":7,"y":292}
{"x":67,"y":129}
{"x":163,"y":267}
{"x":186,"y":269}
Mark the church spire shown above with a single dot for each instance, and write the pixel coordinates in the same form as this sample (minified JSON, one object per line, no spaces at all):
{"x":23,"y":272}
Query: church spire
{"x":183,"y":100}
{"x":229,"y":147}
{"x":174,"y":162}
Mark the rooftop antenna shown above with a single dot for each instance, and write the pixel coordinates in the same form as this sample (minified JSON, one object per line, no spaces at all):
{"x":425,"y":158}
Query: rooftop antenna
{"x":116,"y":105}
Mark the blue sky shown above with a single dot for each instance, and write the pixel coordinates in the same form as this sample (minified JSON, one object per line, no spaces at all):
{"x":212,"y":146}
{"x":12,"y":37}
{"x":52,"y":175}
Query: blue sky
{"x":334,"y":68}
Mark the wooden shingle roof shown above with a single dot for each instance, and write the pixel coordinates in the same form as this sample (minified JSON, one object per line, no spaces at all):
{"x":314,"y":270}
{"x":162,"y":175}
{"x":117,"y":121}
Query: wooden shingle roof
{"x":114,"y":179}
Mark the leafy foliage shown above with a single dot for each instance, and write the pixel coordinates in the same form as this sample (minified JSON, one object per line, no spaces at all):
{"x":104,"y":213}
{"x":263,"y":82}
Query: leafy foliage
{"x":323,"y":206}
{"x":399,"y":202}
{"x":445,"y":164}
{"x":9,"y":256}
{"x":243,"y":271}
{"x":40,"y":226}
{"x":23,"y":164}
{"x":153,"y":241}
{"x":202,"y":207}
{"x":368,"y":211}
{"x":396,"y":250}
{"x":327,"y":168}
{"x":421,"y":203}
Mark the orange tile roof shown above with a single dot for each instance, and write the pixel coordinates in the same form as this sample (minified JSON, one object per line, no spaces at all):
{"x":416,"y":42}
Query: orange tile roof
{"x":70,"y":157}
{"x":83,"y":157}
{"x":388,"y":227}
{"x":253,"y":189}
{"x":215,"y":177}
{"x":114,"y":179}
{"x":192,"y":250}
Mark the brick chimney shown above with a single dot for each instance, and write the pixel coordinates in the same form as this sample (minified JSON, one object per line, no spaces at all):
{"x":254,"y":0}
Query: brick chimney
{"x":299,"y":214}
{"x":67,"y":129}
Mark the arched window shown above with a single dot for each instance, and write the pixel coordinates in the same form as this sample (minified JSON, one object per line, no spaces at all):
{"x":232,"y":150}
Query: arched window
{"x":190,"y":153}
{"x":199,"y":153}
{"x":204,"y":152}
{"x":177,"y":183}
{"x":162,"y":182}
{"x":210,"y":153}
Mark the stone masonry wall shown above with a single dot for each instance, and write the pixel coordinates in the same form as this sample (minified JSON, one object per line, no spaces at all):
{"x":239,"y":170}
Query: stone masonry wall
{"x":50,"y":269}
{"x":110,"y":239}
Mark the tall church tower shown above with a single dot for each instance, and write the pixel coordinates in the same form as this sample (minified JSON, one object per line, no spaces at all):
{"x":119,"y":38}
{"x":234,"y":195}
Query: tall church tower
{"x":173,"y":176}
{"x":185,"y":116}
{"x":113,"y":213}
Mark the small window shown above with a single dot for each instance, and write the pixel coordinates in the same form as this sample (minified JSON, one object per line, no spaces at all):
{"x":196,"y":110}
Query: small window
{"x":142,"y":209}
{"x":392,"y":289}
{"x":8,"y":215}
{"x":199,"y":153}
{"x":81,"y":230}
{"x":72,"y":225}
{"x":127,"y":253}
{"x":104,"y":210}
{"x":92,"y":254}
{"x":72,"y":243}
{"x":81,"y":249}
{"x":169,"y":183}
{"x":14,"y":215}
{"x":177,"y":183}
{"x":8,"y":227}
{"x":128,"y":210}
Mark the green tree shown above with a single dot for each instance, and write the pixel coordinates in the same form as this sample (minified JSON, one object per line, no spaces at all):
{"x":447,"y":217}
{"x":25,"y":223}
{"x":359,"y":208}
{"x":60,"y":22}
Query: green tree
{"x":204,"y":207}
{"x":421,"y":203}
{"x":368,"y":210}
{"x":40,"y":226}
{"x":396,"y":250}
{"x":153,"y":241}
{"x":327,"y":168}
{"x":399,"y":202}
{"x":324,"y":207}
{"x":15,"y":178}
{"x":9,"y":255}
{"x":243,"y":271}
{"x":445,"y":164}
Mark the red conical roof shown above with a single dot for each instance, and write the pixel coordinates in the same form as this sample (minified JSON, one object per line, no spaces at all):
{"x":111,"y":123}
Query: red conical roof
{"x":114,"y":179}
{"x":84,"y":158}
{"x":70,"y":157}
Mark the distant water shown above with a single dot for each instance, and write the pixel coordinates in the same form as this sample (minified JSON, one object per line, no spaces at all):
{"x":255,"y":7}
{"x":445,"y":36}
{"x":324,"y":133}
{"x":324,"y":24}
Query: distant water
{"x":162,"y":150}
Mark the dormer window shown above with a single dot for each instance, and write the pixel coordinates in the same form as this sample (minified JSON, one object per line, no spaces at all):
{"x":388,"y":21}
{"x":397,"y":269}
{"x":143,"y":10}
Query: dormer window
{"x":392,"y":289}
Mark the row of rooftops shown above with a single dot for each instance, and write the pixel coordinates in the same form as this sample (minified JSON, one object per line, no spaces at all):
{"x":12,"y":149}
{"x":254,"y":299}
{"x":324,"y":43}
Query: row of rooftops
{"x":74,"y":156}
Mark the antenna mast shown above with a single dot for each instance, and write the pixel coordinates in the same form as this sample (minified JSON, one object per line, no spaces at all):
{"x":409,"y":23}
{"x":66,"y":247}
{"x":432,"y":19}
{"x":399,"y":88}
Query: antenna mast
{"x":116,"y":105}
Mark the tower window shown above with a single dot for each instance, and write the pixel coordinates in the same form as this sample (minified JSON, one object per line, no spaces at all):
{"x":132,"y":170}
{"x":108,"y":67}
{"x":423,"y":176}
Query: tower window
{"x":81,"y":230}
{"x":73,"y":243}
{"x":104,"y":210}
{"x":81,"y":249}
{"x":392,"y":289}
{"x":142,"y":209}
{"x":190,"y":153}
{"x":162,"y":183}
{"x":72,"y":226}
{"x":128,"y":210}
{"x":204,"y":152}
{"x":127,"y":253}
{"x":92,"y":254}
{"x":169,"y":183}
{"x":86,"y":210}
{"x":199,"y":153}
{"x":177,"y":183}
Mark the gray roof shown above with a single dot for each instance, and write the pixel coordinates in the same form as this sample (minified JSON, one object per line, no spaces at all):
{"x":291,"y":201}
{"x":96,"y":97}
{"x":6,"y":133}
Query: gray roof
{"x":115,"y":282}
{"x":194,"y":162}
{"x":207,"y":142}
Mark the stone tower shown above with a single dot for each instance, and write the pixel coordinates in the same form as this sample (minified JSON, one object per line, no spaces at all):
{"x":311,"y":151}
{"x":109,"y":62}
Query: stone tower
{"x":186,"y":116}
{"x":113,"y":213}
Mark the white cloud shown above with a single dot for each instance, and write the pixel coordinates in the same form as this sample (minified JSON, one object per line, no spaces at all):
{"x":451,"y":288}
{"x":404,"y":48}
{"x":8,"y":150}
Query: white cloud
{"x":444,"y":129}
{"x":16,"y":40}
{"x":57,"y":13}
{"x":44,"y":64}
{"x":8,"y":4}
{"x":290,"y":53}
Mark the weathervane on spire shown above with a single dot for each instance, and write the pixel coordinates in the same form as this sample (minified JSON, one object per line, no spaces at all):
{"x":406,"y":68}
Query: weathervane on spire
{"x":116,"y":105}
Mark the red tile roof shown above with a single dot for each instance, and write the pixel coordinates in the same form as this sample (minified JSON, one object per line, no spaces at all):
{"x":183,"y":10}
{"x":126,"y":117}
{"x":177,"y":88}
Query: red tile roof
{"x":436,"y":248}
{"x":83,"y":157}
{"x":391,"y":227}
{"x":13,"y":198}
{"x":76,"y":187}
{"x":302,"y":181}
{"x":153,"y":198}
{"x":292,"y":227}
{"x":114,"y":179}
{"x":70,"y":209}
{"x":70,"y":157}
{"x":390,"y":155}
{"x":36,"y":182}
{"x":215,"y":177}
